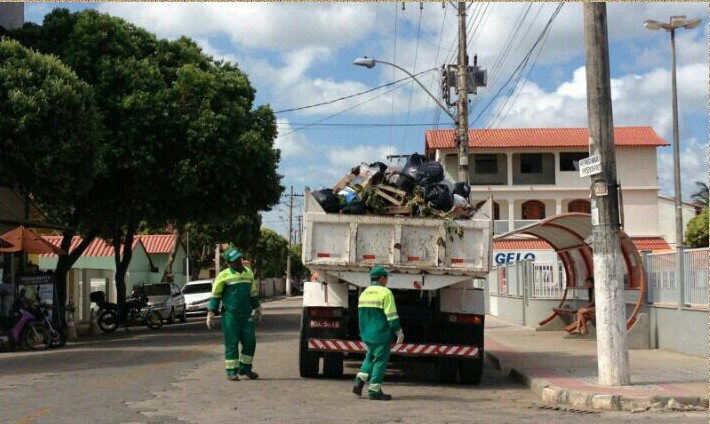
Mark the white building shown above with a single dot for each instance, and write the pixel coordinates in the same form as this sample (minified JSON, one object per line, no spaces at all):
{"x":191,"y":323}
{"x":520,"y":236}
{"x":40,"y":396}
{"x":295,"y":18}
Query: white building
{"x":532,"y":173}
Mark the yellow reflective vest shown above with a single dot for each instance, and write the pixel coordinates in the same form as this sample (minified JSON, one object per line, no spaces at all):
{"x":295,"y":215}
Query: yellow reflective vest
{"x":377,"y":314}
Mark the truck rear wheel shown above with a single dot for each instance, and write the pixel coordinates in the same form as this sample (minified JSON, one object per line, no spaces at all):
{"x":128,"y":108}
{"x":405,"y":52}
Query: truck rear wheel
{"x":307,"y":361}
{"x":471,"y":370}
{"x":333,"y":365}
{"x":446,"y":369}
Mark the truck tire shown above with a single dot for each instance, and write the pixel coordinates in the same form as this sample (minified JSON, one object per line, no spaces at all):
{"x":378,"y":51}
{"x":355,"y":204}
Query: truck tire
{"x":471,"y":370}
{"x":446,"y":369}
{"x":333,"y":365}
{"x":307,"y":361}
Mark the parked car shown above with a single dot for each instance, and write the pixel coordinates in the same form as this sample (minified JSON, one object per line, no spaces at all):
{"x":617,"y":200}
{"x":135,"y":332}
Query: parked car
{"x":197,"y":295}
{"x":166,"y":298}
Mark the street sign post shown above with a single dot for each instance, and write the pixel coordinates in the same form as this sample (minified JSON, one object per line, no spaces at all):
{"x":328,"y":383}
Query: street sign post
{"x":590,"y":166}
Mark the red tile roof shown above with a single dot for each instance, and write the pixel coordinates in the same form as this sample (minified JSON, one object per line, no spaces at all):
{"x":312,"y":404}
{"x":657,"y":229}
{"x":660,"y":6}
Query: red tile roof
{"x":650,"y":243}
{"x":521,"y":244}
{"x":158,"y":243}
{"x":540,"y":137}
{"x":97,"y":248}
{"x":641,"y":243}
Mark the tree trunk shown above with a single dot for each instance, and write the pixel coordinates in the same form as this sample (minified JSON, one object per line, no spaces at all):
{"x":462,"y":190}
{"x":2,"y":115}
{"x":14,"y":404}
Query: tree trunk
{"x":65,"y":263}
{"x":168,"y":273}
{"x":122,"y":261}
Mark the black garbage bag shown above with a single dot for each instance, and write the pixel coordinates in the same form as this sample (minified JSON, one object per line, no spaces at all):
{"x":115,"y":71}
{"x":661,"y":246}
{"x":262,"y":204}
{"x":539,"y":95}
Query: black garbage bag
{"x":327,"y":200}
{"x":424,"y":171}
{"x":355,"y":207}
{"x":380,"y":165}
{"x":462,"y":189}
{"x":400,"y":180}
{"x":439,"y":196}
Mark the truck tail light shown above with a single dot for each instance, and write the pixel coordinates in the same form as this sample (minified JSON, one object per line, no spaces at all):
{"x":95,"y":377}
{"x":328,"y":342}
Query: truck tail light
{"x":325,"y":312}
{"x":466,"y":319}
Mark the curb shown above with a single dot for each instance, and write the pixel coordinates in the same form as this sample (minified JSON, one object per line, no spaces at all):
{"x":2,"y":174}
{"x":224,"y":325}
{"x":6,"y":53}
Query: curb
{"x":604,"y":402}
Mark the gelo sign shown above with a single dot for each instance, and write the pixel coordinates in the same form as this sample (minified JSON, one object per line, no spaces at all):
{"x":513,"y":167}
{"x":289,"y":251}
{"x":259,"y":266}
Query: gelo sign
{"x":513,"y":257}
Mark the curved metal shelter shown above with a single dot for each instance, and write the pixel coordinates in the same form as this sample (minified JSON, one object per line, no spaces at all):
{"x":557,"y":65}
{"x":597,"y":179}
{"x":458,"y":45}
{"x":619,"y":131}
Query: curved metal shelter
{"x":570,"y":235}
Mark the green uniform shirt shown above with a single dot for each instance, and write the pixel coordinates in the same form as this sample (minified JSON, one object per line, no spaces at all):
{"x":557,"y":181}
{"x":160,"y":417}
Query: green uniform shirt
{"x":377,"y":314}
{"x":238,"y":292}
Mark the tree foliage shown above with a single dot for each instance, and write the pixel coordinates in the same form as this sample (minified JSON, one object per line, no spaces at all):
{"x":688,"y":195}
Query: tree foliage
{"x":182,"y":141}
{"x":268,"y":255}
{"x":696,"y":234}
{"x":701,"y":196}
{"x":49,"y":125}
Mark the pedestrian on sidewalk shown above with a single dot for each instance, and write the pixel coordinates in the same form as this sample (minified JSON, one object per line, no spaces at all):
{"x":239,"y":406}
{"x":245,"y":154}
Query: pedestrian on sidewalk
{"x":585,"y":313}
{"x":379,"y":324}
{"x":238,"y":292}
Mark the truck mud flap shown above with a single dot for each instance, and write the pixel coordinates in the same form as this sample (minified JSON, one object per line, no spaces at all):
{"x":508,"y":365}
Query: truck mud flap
{"x":404,"y":349}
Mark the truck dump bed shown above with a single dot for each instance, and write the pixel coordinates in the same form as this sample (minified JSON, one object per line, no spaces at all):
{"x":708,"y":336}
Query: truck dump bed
{"x":352,"y":244}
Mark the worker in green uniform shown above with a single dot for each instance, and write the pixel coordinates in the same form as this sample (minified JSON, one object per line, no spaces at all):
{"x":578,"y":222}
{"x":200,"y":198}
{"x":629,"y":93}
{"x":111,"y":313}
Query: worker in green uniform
{"x":379,"y":324}
{"x":238,"y":292}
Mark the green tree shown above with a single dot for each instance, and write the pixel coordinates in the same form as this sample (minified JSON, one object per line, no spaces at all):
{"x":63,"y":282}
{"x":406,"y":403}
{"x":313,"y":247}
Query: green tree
{"x":696,"y":234}
{"x":49,"y":126}
{"x":700,"y":196}
{"x":183,"y":141}
{"x":298,"y":270}
{"x":268,"y":256}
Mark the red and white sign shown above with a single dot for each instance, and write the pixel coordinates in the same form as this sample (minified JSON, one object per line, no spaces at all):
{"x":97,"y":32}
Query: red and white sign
{"x":405,"y":349}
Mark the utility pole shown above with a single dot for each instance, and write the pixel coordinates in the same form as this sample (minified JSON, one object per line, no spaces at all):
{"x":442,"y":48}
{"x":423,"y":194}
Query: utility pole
{"x":612,"y":343}
{"x":290,"y":233}
{"x":462,"y":88}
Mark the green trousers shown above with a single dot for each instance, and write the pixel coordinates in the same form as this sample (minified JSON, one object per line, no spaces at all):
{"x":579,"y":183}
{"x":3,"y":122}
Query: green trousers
{"x":238,"y":329}
{"x":375,"y":364}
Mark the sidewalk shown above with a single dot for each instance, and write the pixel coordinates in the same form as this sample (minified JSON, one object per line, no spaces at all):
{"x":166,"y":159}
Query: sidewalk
{"x":564,"y":371}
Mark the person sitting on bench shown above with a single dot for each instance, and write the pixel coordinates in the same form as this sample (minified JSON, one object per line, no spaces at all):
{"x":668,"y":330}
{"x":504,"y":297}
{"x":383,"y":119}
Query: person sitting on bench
{"x":585,"y":313}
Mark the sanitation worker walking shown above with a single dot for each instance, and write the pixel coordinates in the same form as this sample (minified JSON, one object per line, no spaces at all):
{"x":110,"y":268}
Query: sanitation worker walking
{"x":236,"y":289}
{"x":379,"y":324}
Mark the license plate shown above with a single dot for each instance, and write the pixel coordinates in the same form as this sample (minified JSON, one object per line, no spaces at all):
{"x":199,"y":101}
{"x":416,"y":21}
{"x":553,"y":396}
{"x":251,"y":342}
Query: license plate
{"x":324,"y":323}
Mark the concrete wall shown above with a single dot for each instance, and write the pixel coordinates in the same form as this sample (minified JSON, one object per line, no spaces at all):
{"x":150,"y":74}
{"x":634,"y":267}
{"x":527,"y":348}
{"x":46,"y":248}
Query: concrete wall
{"x":677,"y":330}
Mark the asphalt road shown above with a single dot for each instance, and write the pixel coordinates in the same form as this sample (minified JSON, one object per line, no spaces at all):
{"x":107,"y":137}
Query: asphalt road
{"x":175,"y":375}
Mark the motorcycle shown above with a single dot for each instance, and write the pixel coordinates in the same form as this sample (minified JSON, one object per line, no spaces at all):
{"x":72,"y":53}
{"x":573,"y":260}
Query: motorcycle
{"x":23,"y":329}
{"x":134,"y":312}
{"x":57,"y":336}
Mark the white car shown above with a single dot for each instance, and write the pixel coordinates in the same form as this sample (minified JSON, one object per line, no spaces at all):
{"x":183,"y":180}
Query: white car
{"x":197,"y":295}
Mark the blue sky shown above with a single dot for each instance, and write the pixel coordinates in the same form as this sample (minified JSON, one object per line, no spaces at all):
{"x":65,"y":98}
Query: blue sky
{"x":301,"y":54}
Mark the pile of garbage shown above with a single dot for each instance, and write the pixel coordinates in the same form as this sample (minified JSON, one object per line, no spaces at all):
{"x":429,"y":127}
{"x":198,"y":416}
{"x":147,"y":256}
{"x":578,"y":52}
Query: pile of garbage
{"x":421,"y":188}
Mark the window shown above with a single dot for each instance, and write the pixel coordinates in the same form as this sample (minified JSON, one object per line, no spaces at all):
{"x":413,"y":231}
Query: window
{"x":533,"y":209}
{"x":486,"y":164}
{"x":496,"y":209}
{"x":569,"y":161}
{"x":579,"y":205}
{"x":531,"y":163}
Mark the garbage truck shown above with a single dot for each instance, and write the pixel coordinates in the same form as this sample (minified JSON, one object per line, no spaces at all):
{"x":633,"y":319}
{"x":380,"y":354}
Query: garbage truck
{"x":435,"y":269}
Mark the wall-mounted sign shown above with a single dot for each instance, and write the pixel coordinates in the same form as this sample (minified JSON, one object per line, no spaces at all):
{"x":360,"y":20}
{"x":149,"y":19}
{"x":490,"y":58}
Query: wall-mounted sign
{"x":590,"y":166}
{"x":600,"y":188}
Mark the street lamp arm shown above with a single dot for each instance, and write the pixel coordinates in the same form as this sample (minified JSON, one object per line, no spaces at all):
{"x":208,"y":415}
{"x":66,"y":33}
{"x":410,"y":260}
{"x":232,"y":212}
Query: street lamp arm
{"x":370,"y":63}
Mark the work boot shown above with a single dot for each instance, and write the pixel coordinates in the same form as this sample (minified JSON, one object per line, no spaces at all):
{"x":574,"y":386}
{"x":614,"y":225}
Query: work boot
{"x":380,"y":396}
{"x":249,"y":374}
{"x":233,"y":377}
{"x":357,"y":387}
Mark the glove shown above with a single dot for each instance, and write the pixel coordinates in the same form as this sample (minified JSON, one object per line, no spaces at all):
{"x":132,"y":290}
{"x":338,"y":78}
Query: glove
{"x":257,"y":315}
{"x":210,"y":320}
{"x":400,"y":336}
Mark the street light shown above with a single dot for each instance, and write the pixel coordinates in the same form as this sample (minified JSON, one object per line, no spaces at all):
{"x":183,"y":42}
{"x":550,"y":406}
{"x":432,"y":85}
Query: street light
{"x":370,"y":63}
{"x":676,"y":22}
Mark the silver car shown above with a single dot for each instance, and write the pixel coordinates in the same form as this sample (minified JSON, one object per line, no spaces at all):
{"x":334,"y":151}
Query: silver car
{"x":166,"y":298}
{"x":197,"y":295}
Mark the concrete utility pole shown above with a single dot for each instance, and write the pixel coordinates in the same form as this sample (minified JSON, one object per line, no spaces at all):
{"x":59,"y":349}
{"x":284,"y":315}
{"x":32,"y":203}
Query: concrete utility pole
{"x":290,"y":234}
{"x":462,"y":88}
{"x":612,"y":343}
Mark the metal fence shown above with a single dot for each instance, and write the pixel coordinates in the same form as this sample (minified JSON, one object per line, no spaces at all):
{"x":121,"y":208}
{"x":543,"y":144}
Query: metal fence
{"x":540,"y":280}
